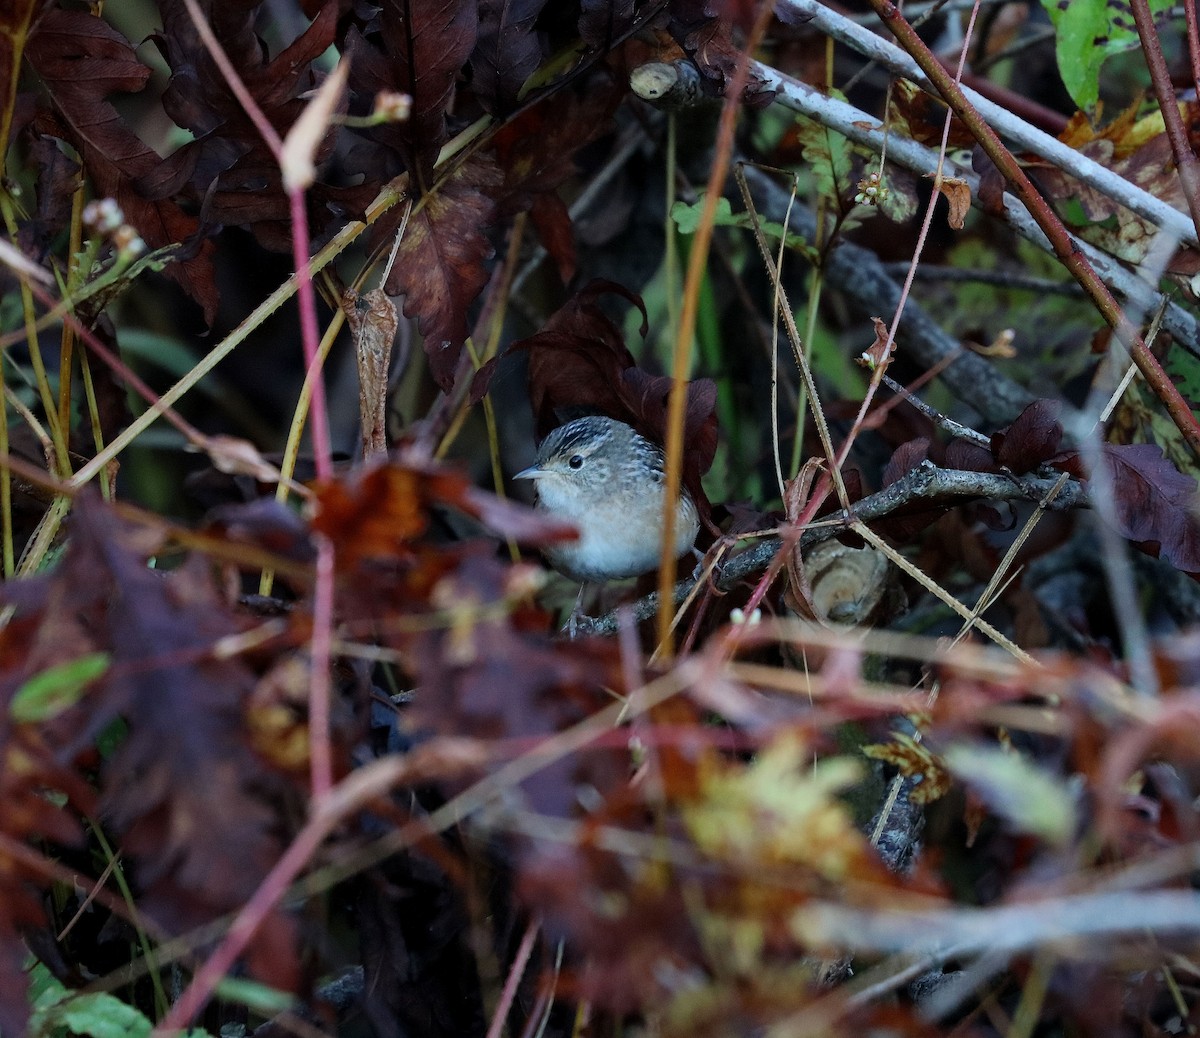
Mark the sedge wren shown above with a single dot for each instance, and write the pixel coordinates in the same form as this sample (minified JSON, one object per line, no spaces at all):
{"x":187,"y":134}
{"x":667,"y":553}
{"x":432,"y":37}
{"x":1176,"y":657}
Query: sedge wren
{"x":609,"y":481}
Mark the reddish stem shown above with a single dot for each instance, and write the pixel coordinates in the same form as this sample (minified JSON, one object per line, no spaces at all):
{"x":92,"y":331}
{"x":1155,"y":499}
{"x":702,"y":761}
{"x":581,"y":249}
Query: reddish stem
{"x":1193,"y":38}
{"x":1164,"y":90}
{"x":1064,"y":247}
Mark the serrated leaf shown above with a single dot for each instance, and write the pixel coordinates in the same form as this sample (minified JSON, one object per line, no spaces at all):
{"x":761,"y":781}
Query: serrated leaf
{"x":439,"y":265}
{"x":57,"y":688}
{"x":102,"y":1016}
{"x":1029,"y":798}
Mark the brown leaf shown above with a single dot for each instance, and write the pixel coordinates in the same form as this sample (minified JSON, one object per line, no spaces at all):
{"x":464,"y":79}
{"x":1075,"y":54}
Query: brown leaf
{"x":1155,"y":503}
{"x":383,"y":511}
{"x":82,"y":60}
{"x":421,"y":47}
{"x":194,"y":807}
{"x":229,"y":151}
{"x":1032,"y":439}
{"x":439,"y":266}
{"x":507,"y":51}
{"x":958,"y":194}
{"x":373,"y":323}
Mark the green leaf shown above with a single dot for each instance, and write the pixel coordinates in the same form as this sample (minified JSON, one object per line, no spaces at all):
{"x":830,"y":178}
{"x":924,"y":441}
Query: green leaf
{"x":1088,"y":32}
{"x":102,"y":1016}
{"x":1030,"y":799}
{"x":830,"y":157}
{"x":56,"y":688}
{"x":687,"y":217}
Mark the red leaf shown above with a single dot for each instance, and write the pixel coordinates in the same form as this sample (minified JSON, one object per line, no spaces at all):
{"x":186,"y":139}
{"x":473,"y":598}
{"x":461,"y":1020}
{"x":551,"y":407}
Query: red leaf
{"x":603,"y":22}
{"x":553,"y":222}
{"x":1154,"y":503}
{"x":82,"y":60}
{"x":1032,"y":439}
{"x":423,"y":47}
{"x":507,"y":51}
{"x":229,"y":148}
{"x":439,"y":266}
{"x":906,"y":458}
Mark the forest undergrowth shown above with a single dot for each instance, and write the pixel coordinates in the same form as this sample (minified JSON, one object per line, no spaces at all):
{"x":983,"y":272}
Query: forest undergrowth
{"x":293,"y":739}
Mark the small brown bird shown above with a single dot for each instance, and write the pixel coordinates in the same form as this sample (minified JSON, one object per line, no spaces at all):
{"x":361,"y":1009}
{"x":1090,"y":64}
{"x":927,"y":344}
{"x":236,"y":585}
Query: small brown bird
{"x":609,"y":481}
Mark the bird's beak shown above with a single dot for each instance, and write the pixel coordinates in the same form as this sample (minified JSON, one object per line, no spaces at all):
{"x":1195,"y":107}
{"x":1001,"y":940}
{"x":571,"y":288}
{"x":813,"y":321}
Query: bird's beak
{"x":530,"y":473}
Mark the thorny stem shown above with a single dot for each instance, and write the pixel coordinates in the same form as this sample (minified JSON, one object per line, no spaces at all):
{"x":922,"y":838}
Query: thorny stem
{"x":1064,"y":247}
{"x":1160,"y":76}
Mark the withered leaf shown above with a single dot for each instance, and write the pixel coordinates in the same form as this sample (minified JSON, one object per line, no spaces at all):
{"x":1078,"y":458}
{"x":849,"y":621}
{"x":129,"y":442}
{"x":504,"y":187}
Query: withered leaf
{"x":229,"y":148}
{"x":507,"y":51}
{"x":1032,"y":439}
{"x":383,"y":511}
{"x":423,"y":45}
{"x":1155,"y":503}
{"x":439,"y":266}
{"x":82,"y":60}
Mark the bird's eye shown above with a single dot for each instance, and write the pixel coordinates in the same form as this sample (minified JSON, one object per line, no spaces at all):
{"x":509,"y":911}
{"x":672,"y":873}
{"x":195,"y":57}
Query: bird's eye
{"x":575,"y":461}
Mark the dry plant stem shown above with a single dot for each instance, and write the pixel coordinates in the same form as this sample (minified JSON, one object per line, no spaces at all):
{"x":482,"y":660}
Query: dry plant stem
{"x":388,"y":196}
{"x":306,"y":300}
{"x":969,"y":616}
{"x":66,"y":348}
{"x":309,"y":336}
{"x":1104,"y":180}
{"x":6,"y":524}
{"x":1185,"y":159}
{"x":1051,"y":225}
{"x":319,"y":748}
{"x":681,"y":358}
{"x":784,"y":310}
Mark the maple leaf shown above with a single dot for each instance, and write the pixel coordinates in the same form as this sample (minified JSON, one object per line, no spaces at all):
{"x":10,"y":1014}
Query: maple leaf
{"x":229,"y":148}
{"x":536,"y":151}
{"x":422,"y":47}
{"x":439,"y":266}
{"x":82,"y":60}
{"x":507,"y":51}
